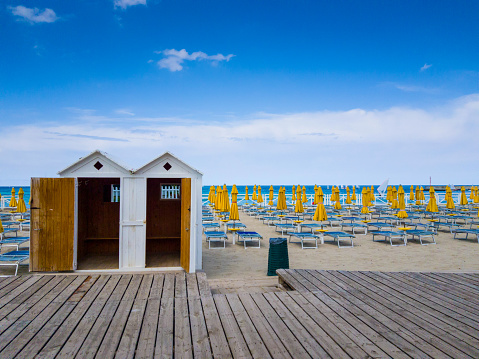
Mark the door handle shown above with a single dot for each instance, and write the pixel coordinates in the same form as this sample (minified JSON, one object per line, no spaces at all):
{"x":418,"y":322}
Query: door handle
{"x":37,"y":229}
{"x":187,"y":229}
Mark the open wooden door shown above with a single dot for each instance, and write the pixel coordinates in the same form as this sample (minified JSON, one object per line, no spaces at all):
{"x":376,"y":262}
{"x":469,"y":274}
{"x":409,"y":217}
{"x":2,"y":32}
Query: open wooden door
{"x":52,"y":224}
{"x":185,"y":223}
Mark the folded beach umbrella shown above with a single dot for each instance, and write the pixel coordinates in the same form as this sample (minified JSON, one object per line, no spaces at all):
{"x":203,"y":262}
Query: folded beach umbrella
{"x":449,"y":201}
{"x":463,"y":201}
{"x":389,"y":194}
{"x":364,"y":199}
{"x":320,"y":213}
{"x":368,"y":197}
{"x":471,"y":195}
{"x":304,"y":198}
{"x":279,"y":202}
{"x":373,"y":197}
{"x":432,"y":204}
{"x":294,"y":193}
{"x":353,"y":197}
{"x":254,"y":198}
{"x":411,"y":193}
{"x":316,"y":195}
{"x":271,"y":195}
{"x":21,"y":208}
{"x":219,"y":198}
{"x":246,"y":195}
{"x":1,"y":226}
{"x":226,"y":200}
{"x":211,"y":195}
{"x":13,"y":201}
{"x":476,"y":196}
{"x":418,"y":195}
{"x":422,"y":197}
{"x":298,"y":208}
{"x":260,"y":197}
{"x":337,"y":205}
{"x":401,"y":203}
{"x":394,"y":197}
{"x":234,"y":214}
{"x":284,"y":206}
{"x":348,"y":196}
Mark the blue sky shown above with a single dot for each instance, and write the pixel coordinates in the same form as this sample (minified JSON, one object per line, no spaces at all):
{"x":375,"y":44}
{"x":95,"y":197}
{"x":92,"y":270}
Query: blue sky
{"x":248,"y":92}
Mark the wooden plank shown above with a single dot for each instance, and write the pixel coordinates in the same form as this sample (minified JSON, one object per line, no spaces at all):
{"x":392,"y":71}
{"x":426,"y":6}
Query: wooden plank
{"x":294,"y":347}
{"x":113,"y":336}
{"x":442,"y":333}
{"x":328,"y":325}
{"x":237,"y":344}
{"x":182,"y":344}
{"x":453,"y":284}
{"x":164,"y":338}
{"x":304,"y":337}
{"x":464,"y":280}
{"x":251,"y":336}
{"x":199,"y":333}
{"x":94,"y":338}
{"x":149,"y":328}
{"x":73,"y":345}
{"x":180,"y":285}
{"x":131,"y":333}
{"x":35,"y":319}
{"x":192,"y":285}
{"x":203,"y":285}
{"x":185,"y":223}
{"x":269,"y":337}
{"x":35,"y":221}
{"x":332,"y":348}
{"x":48,"y":330}
{"x":219,"y":344}
{"x":285,"y":276}
{"x":56,"y":342}
{"x":6,"y":281}
{"x":457,"y":281}
{"x":378,"y":341}
{"x":15,"y":291}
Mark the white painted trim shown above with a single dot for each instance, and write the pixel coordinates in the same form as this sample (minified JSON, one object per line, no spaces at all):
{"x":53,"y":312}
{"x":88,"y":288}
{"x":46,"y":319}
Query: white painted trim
{"x":131,"y":269}
{"x":75,"y":230}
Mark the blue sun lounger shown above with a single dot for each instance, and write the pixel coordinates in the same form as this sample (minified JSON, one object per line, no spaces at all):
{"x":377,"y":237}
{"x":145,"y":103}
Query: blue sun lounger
{"x":216,"y":236}
{"x":9,"y":230}
{"x":339,"y":236}
{"x":311,"y":226}
{"x":235,"y":225}
{"x":354,"y":226}
{"x":305,"y":237}
{"x":380,"y":225}
{"x":250,"y":237}
{"x":450,"y":225}
{"x":14,"y":258}
{"x":13,"y":241}
{"x":421,"y":234}
{"x":390,"y":235}
{"x":284,"y":227}
{"x":210,"y":225}
{"x":467,"y":232}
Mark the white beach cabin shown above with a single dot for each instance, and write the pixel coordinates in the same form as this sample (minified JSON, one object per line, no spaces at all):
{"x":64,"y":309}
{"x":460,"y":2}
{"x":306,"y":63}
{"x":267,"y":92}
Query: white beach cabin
{"x":100,"y":215}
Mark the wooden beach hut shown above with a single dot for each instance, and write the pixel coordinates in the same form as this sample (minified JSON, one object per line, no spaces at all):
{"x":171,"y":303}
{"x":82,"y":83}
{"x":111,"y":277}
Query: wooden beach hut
{"x":100,"y":215}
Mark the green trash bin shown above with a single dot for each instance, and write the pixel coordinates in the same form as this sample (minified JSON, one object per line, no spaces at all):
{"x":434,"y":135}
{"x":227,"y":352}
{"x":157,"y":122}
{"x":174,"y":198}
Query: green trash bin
{"x":278,"y":255}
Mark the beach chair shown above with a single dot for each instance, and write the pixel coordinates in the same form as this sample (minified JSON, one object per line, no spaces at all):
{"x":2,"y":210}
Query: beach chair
{"x":421,"y":234}
{"x":467,"y":232}
{"x":305,"y":237}
{"x":249,"y":237}
{"x":390,"y":235}
{"x":340,"y":236}
{"x":14,"y":258}
{"x":354,"y":226}
{"x":210,"y":225}
{"x":235,"y":225}
{"x":13,"y":242}
{"x":380,"y":225}
{"x":451,"y":226}
{"x":311,"y":226}
{"x":284,"y":227}
{"x":270,"y":220}
{"x":216,"y":236}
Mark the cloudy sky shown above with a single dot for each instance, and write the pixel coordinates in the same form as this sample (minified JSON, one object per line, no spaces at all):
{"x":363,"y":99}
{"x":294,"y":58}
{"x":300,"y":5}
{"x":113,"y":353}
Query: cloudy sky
{"x":281,"y":92}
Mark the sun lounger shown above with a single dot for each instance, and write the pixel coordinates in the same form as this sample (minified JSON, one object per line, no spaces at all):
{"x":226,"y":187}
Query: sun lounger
{"x":305,"y":237}
{"x":339,"y":236}
{"x":210,"y":225}
{"x":467,"y":232}
{"x":451,"y":226}
{"x":421,"y":234}
{"x":9,"y":230}
{"x":14,"y":258}
{"x":354,"y":226}
{"x":270,"y":220}
{"x":250,"y":237}
{"x":311,"y":226}
{"x":13,"y":241}
{"x":284,"y":227}
{"x":351,"y":218}
{"x":216,"y":236}
{"x":390,"y":235}
{"x":235,"y":225}
{"x":426,"y":226}
{"x":380,"y":225}
{"x":389,"y":219}
{"x":207,"y":219}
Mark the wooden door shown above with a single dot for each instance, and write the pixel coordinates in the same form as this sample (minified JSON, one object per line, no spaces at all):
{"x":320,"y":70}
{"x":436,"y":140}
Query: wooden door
{"x":185,"y":223}
{"x":52,"y":224}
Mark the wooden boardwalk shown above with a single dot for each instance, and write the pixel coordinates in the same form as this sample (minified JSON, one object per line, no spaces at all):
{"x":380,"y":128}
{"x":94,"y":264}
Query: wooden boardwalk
{"x":332,"y":314}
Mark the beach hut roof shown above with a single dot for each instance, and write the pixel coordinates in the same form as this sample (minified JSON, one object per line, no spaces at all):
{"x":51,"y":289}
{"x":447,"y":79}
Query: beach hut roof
{"x":162,"y":164}
{"x":97,"y":162}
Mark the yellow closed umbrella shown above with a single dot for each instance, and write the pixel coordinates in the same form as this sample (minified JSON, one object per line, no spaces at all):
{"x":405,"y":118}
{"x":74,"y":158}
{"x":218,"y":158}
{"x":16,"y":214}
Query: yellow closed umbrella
{"x":226,"y":199}
{"x":211,"y":194}
{"x":471,"y":195}
{"x":13,"y":200}
{"x":421,"y":194}
{"x":246,"y":195}
{"x":389,"y":194}
{"x":476,"y":197}
{"x":254,"y":198}
{"x":449,"y":201}
{"x":394,"y":198}
{"x":260,"y":197}
{"x":320,"y":213}
{"x":1,"y":226}
{"x":271,"y":195}
{"x":373,"y":197}
{"x":316,"y":195}
{"x":411,"y":193}
{"x":364,"y":198}
{"x":219,"y":198}
{"x":418,"y":195}
{"x":298,"y":208}
{"x":337,"y":205}
{"x":368,"y":196}
{"x":279,"y":202}
{"x":21,"y":207}
{"x":348,"y":196}
{"x":353,"y":197}
{"x":463,"y":201}
{"x":432,"y":204}
{"x":293,"y":198}
{"x":304,"y":199}
{"x":401,"y":203}
{"x":234,"y":214}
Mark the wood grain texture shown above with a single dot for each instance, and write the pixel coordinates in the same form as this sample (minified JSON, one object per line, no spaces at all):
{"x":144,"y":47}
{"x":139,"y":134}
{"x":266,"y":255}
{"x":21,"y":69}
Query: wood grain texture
{"x":185,"y":223}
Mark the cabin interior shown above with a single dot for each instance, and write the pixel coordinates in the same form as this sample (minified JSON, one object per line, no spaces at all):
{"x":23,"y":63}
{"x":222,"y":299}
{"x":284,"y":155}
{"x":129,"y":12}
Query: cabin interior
{"x":99,"y":218}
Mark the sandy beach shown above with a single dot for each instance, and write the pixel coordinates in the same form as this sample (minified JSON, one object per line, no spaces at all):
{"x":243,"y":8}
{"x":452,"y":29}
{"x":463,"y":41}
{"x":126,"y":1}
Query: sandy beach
{"x":234,"y":262}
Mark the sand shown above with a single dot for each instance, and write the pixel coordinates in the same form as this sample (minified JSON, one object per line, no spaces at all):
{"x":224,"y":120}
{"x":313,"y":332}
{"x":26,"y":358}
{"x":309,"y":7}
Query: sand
{"x":234,"y":262}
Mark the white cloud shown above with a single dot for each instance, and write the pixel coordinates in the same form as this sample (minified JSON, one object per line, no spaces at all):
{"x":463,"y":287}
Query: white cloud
{"x":425,"y":67}
{"x":124,"y":111}
{"x":355,"y":146}
{"x":174,"y":59}
{"x":412,"y":88}
{"x":126,"y":3}
{"x":34,"y":15}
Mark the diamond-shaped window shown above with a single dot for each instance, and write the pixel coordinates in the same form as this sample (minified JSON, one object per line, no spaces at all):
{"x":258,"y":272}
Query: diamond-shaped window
{"x":167,"y":166}
{"x":98,"y":165}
